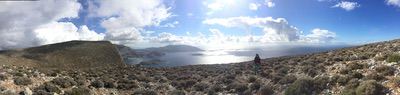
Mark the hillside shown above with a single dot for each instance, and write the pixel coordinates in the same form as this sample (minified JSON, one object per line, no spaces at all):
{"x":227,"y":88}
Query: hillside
{"x":370,"y":69}
{"x":72,"y":54}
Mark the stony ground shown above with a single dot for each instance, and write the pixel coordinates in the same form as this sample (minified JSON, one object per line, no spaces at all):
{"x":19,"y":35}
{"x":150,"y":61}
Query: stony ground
{"x":371,"y":69}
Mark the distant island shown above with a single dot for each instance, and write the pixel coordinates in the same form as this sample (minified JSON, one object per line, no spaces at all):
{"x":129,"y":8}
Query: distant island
{"x":151,"y":55}
{"x":175,"y":48}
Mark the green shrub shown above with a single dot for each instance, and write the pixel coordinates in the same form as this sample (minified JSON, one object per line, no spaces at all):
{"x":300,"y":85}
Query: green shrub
{"x":48,"y":87}
{"x":266,"y":90}
{"x":385,"y":70}
{"x":302,"y":86}
{"x":200,"y":86}
{"x":287,"y":79}
{"x":78,"y":91}
{"x":354,"y":66}
{"x":321,"y":82}
{"x":255,"y":86}
{"x":350,"y":88}
{"x":126,"y":84}
{"x":252,"y":79}
{"x":22,"y":81}
{"x":64,"y":82}
{"x":3,"y":77}
{"x":97,"y":84}
{"x":177,"y":92}
{"x":370,"y":87}
{"x":238,"y":87}
{"x":144,"y":92}
{"x":374,"y":76}
{"x":393,"y":58}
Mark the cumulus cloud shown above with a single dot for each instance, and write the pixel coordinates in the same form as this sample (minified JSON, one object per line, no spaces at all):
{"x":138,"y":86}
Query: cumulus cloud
{"x":346,"y":5}
{"x":319,"y":36}
{"x":269,"y":3}
{"x":393,"y":2}
{"x":275,"y":30}
{"x":125,"y":19}
{"x":279,"y":27}
{"x":254,"y":6}
{"x":55,"y":32}
{"x":19,"y":20}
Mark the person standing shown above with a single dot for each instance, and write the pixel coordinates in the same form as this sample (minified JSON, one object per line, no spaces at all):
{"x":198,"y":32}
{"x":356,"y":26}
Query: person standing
{"x":257,"y":64}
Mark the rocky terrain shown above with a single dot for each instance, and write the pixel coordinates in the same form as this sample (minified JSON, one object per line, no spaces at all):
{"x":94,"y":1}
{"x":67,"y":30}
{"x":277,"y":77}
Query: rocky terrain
{"x":370,"y":69}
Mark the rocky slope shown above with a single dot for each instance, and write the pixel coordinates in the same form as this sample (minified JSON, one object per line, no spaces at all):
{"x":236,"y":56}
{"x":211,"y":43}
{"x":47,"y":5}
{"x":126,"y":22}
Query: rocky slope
{"x":370,"y":69}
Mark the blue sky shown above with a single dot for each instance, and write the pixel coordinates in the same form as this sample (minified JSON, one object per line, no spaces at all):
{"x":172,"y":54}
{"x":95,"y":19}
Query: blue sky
{"x":220,"y":23}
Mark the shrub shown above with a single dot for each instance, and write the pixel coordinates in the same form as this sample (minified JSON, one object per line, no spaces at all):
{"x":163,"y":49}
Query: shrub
{"x":200,"y":86}
{"x":343,"y":80}
{"x":369,"y":87}
{"x":78,"y":91}
{"x":287,"y":79}
{"x":238,"y":87}
{"x":22,"y":81}
{"x":374,"y":76}
{"x":216,"y":88}
{"x":385,"y":70}
{"x":144,"y":92}
{"x":266,"y":90}
{"x":177,"y":92}
{"x":255,"y":86}
{"x":49,"y":87}
{"x":354,"y":66}
{"x":350,"y":87}
{"x":252,"y":79}
{"x":356,"y":75}
{"x":64,"y":82}
{"x":3,"y":77}
{"x":302,"y":86}
{"x":396,"y":81}
{"x":321,"y":82}
{"x":109,"y":84}
{"x":393,"y":58}
{"x":97,"y":84}
{"x":126,"y":84}
{"x":38,"y":92}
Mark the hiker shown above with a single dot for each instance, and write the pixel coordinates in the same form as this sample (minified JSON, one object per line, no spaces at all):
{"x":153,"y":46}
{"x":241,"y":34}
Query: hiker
{"x":257,"y":64}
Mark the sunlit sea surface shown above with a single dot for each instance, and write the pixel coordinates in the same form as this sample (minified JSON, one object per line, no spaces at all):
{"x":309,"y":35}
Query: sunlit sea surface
{"x":223,"y":56}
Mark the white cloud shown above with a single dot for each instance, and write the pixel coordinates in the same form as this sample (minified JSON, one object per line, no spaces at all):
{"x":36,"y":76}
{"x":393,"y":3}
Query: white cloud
{"x":56,"y":32}
{"x":170,"y":25}
{"x":393,"y":2}
{"x":218,"y":5}
{"x":278,"y":27}
{"x":19,"y":20}
{"x":319,"y":36}
{"x":269,"y":3}
{"x":125,"y":19}
{"x":254,"y":6}
{"x":346,"y":5}
{"x":275,"y":30}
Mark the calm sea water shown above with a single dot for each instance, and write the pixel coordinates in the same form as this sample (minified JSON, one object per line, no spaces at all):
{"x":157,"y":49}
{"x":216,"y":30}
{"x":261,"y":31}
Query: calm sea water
{"x":223,"y":56}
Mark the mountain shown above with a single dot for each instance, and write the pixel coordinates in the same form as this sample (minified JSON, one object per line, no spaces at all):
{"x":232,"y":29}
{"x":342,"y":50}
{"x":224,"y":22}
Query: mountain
{"x":175,"y":48}
{"x":370,"y":69}
{"x":72,"y":54}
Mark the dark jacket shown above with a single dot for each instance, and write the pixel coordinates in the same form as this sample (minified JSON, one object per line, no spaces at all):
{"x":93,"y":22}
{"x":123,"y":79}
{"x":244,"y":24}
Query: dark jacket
{"x":257,"y":60}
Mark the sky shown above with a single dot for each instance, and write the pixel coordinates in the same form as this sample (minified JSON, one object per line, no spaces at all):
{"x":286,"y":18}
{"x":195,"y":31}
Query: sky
{"x":202,"y":23}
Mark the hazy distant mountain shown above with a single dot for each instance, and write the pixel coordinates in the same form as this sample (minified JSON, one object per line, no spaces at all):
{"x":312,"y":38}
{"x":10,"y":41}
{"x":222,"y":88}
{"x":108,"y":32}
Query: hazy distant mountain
{"x":175,"y":48}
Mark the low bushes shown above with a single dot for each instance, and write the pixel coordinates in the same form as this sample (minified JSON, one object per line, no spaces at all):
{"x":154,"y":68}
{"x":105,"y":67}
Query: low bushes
{"x":370,"y":87}
{"x":302,"y":86}
{"x":22,"y":81}
{"x":393,"y":58}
